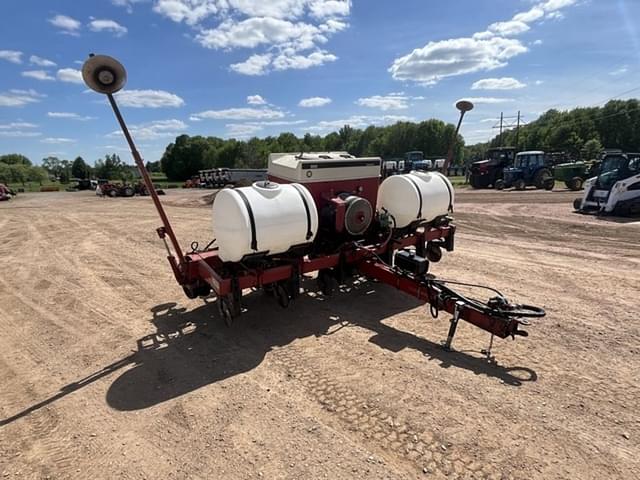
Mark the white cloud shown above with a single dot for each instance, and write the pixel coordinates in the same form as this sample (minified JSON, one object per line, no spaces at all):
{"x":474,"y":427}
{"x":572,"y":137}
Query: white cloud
{"x":438,"y":60}
{"x":330,"y":8}
{"x":487,"y":100}
{"x":553,"y":5}
{"x":154,"y":130}
{"x":18,"y":130}
{"x":14,"y":125}
{"x":257,"y":31}
{"x":38,"y":75}
{"x":70,"y":75}
{"x":67,"y":25}
{"x":41,"y":62}
{"x":312,"y":102}
{"x":188,"y":11}
{"x":18,"y":134}
{"x":57,"y":140}
{"x":254,"y":65}
{"x":510,"y":28}
{"x":241,"y":130}
{"x":280,"y":122}
{"x":289,"y":32}
{"x":483,"y":51}
{"x":393,"y":101}
{"x":358,"y":121}
{"x":620,"y":71}
{"x":148,"y":99}
{"x":69,"y":115}
{"x":285,"y":61}
{"x":536,"y":13}
{"x":537,"y":42}
{"x":12,"y":56}
{"x":256,"y":100}
{"x":240,"y":114}
{"x":504,"y":83}
{"x":128,"y":4}
{"x":106,"y":25}
{"x":19,"y":98}
{"x":539,"y":82}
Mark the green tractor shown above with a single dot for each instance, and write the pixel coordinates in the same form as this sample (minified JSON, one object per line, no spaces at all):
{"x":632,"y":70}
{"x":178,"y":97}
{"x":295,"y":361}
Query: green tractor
{"x":574,"y":174}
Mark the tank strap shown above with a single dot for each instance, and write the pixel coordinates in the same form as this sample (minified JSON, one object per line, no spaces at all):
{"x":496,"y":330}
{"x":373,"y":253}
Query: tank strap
{"x":252,"y":220}
{"x":446,"y":183}
{"x":419,"y":217}
{"x":306,"y":209}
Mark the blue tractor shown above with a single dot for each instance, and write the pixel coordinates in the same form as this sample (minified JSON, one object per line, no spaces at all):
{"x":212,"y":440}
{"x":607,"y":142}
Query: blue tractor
{"x":529,"y":169}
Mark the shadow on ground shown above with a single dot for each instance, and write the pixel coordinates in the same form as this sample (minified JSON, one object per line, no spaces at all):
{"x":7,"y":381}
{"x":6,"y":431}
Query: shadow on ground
{"x":192,"y":349}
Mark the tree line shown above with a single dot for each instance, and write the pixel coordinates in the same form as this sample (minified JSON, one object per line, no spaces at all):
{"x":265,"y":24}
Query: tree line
{"x":188,"y":154}
{"x":18,"y":169}
{"x":582,"y":133}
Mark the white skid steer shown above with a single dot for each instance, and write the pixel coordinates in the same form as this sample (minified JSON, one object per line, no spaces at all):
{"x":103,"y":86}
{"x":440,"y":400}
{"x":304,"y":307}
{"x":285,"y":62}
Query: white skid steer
{"x":616,"y":189}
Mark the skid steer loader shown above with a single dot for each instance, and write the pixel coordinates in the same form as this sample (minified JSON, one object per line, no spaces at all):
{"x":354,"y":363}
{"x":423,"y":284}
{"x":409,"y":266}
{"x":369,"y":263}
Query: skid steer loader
{"x":616,"y":189}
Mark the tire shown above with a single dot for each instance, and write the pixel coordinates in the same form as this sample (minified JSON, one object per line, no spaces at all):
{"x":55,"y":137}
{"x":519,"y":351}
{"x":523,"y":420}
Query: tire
{"x":112,"y":193}
{"x":540,"y":178}
{"x":520,"y":184}
{"x":128,"y":192}
{"x":575,"y":184}
{"x":577,"y":203}
{"x":499,"y":184}
{"x":549,"y":183}
{"x":282,"y":295}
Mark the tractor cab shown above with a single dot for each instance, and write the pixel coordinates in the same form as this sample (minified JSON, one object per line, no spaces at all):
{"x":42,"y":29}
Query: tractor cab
{"x":485,"y":173}
{"x":616,"y":188}
{"x":529,"y":168}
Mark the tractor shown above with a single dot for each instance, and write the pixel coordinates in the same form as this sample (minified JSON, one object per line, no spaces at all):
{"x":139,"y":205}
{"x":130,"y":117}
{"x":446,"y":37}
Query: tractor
{"x":5,"y":192}
{"x":529,"y":168}
{"x":485,"y":173}
{"x":616,"y":188}
{"x":116,"y":190}
{"x":574,"y":174}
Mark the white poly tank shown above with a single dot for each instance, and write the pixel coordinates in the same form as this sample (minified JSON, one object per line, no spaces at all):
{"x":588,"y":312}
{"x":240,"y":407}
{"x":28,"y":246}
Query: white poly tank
{"x":416,"y":196}
{"x":265,"y":217}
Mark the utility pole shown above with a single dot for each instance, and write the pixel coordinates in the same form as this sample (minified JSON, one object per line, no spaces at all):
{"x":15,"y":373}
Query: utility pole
{"x":517,"y":131}
{"x":507,"y":123}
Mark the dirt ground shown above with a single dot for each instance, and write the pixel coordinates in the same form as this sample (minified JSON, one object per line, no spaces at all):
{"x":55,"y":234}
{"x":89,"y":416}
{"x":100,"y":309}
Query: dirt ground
{"x":108,"y":371}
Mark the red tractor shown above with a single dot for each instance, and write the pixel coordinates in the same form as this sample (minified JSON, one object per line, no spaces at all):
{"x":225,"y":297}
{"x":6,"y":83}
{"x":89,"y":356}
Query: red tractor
{"x":5,"y":192}
{"x":117,"y":190}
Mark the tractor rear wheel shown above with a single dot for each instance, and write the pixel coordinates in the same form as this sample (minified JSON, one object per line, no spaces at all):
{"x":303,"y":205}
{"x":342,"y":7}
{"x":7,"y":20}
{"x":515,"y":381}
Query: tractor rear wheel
{"x":575,"y":184}
{"x":540,"y":178}
{"x":128,"y":192}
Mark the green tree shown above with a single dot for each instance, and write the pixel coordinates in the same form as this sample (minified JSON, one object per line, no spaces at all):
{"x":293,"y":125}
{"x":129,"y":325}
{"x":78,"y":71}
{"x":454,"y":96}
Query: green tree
{"x":111,"y":168}
{"x":79,"y":169}
{"x":37,"y":174}
{"x":591,"y":149}
{"x":15,"y":159}
{"x":53,"y":165}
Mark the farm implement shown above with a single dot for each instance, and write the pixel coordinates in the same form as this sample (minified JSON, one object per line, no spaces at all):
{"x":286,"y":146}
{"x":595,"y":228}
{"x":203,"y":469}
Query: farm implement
{"x":327,"y":213}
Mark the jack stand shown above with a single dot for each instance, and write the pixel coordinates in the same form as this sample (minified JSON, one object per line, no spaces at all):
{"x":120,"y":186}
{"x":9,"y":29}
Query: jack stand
{"x":487,"y":351}
{"x":454,"y":325}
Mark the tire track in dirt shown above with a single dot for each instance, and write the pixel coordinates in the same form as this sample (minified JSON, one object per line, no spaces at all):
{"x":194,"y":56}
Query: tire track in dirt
{"x":380,"y":430}
{"x":44,"y":445}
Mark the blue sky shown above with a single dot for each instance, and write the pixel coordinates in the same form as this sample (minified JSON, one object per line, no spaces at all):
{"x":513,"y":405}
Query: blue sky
{"x":238,"y":68}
